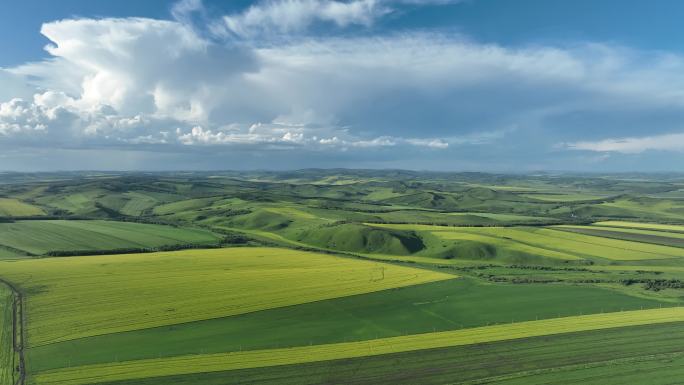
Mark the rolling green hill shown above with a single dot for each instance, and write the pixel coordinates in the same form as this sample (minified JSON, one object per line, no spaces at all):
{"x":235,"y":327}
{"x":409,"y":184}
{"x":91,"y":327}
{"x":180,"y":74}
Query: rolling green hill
{"x":362,"y":239}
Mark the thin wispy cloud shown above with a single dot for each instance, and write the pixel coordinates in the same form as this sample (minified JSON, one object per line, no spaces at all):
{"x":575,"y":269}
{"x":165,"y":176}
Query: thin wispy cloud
{"x":636,"y":145}
{"x":288,"y":16}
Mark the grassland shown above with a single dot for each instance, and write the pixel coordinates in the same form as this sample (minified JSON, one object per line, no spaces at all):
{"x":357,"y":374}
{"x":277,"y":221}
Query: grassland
{"x":10,"y":207}
{"x":460,"y":270}
{"x":75,"y":297}
{"x":263,"y":358}
{"x":40,"y":237}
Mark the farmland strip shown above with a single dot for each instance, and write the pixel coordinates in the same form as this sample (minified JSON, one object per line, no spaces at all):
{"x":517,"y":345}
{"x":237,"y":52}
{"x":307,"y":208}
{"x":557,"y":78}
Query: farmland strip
{"x":252,"y":359}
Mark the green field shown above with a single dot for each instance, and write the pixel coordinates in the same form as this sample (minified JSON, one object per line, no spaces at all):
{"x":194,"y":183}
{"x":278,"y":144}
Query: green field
{"x":647,"y":355}
{"x":76,"y":297}
{"x":40,"y":237}
{"x":199,"y":363}
{"x":16,"y":208}
{"x":438,"y":306}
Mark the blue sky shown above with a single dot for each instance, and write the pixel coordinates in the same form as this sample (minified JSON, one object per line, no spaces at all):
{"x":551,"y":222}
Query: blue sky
{"x":488,"y":85}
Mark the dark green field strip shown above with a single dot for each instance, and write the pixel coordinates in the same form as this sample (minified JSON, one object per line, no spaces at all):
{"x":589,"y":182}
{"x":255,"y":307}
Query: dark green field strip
{"x":538,"y":360}
{"x":445,"y":305}
{"x":657,"y":369}
{"x":7,"y":356}
{"x":616,"y":234}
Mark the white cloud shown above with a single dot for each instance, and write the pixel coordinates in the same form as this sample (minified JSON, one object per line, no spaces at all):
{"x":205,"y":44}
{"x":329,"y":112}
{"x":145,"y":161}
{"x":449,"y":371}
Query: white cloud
{"x":20,"y":118}
{"x":182,"y":10}
{"x":14,"y":87}
{"x":667,"y":142}
{"x":278,"y":135}
{"x":286,"y":16}
{"x":141,"y":82}
{"x":137,"y":66}
{"x":433,"y":143}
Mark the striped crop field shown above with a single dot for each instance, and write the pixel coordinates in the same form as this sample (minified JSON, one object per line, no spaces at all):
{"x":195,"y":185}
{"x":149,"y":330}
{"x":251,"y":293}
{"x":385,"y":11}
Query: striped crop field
{"x":273,"y":357}
{"x":656,"y":237}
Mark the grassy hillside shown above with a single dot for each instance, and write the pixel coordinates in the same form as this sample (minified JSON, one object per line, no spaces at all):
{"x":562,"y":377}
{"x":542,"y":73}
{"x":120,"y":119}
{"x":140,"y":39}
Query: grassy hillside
{"x":488,"y":243}
{"x":16,"y":208}
{"x":362,"y":239}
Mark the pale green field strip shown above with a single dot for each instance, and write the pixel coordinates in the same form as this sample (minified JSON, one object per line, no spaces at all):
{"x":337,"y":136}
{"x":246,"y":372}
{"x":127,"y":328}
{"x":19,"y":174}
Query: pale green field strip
{"x":640,"y":225}
{"x":291,"y":211}
{"x":666,"y":269}
{"x":628,"y":230}
{"x":425,"y":260}
{"x":503,"y":217}
{"x":269,"y":236}
{"x":264,"y":358}
{"x":7,"y":356}
{"x":77,"y":297}
{"x":563,"y":197}
{"x":562,"y":242}
{"x":10,"y":207}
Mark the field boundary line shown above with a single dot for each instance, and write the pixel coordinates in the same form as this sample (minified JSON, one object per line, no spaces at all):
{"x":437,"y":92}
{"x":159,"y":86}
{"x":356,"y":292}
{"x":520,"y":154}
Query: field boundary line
{"x":191,"y":364}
